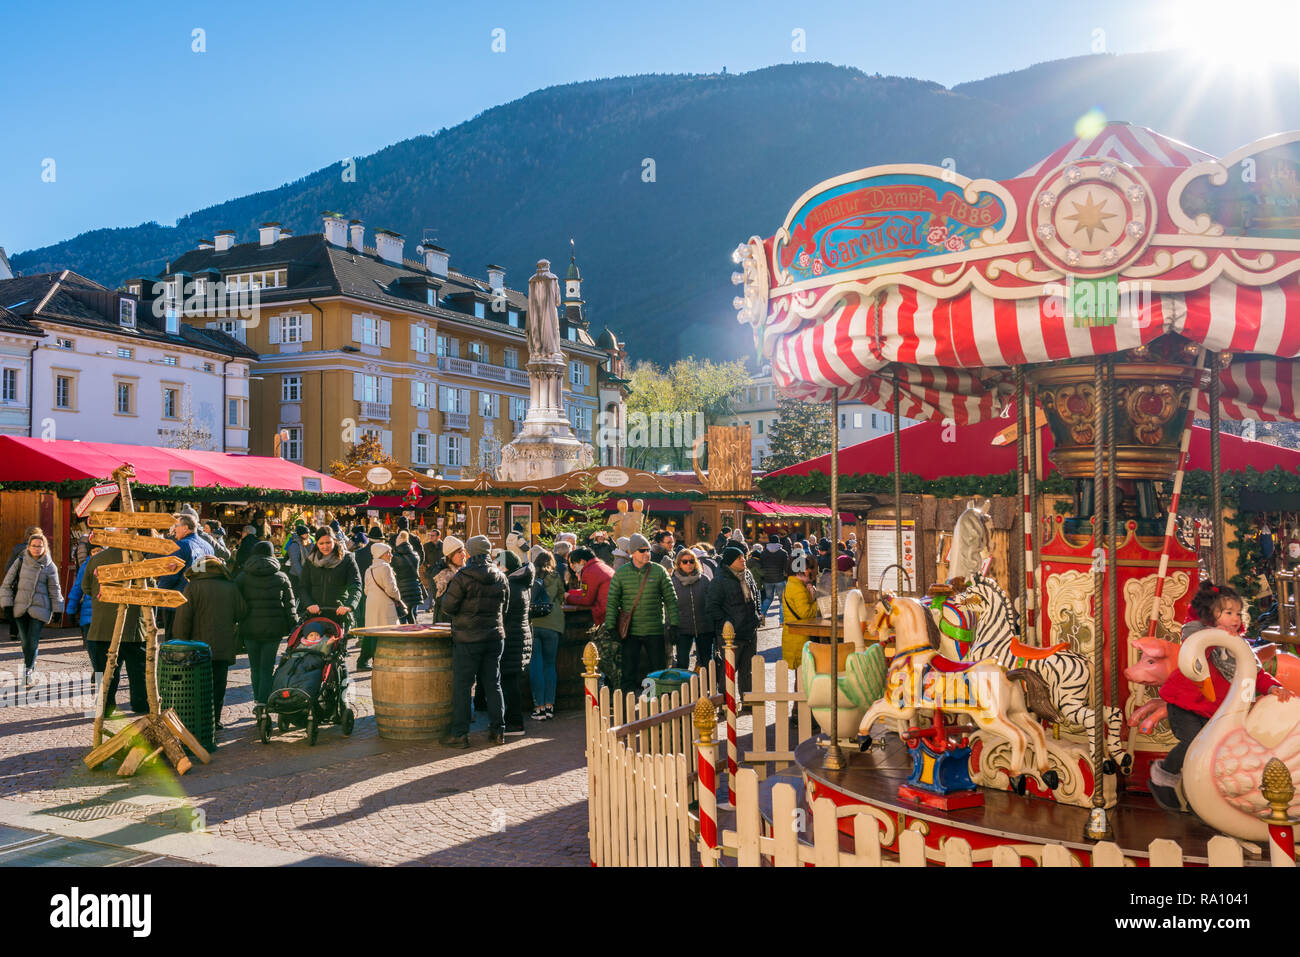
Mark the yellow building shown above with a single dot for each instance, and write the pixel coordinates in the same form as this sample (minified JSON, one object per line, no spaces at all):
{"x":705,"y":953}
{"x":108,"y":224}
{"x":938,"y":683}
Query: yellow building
{"x":354,"y":339}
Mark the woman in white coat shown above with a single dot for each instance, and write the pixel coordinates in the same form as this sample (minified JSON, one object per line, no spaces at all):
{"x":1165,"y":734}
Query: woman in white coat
{"x":383,"y":597}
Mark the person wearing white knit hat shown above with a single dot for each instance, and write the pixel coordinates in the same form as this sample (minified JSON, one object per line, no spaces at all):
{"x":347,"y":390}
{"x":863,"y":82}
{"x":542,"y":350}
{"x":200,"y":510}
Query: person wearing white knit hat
{"x":454,"y":554}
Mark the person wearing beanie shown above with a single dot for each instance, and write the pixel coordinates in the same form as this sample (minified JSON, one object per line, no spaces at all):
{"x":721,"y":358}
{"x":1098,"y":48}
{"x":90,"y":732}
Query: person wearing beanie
{"x":733,"y":597}
{"x":518,"y":651}
{"x":383,"y":595}
{"x":406,"y":566}
{"x":211,"y":614}
{"x":431,"y":562}
{"x":602,"y":546}
{"x":723,"y":538}
{"x":561,"y":550}
{"x":295,"y":553}
{"x":620,"y":553}
{"x":476,"y":600}
{"x":774,"y":561}
{"x":755,"y":566}
{"x":738,"y":536}
{"x":272,"y":613}
{"x":643,"y":589}
{"x":454,"y":556}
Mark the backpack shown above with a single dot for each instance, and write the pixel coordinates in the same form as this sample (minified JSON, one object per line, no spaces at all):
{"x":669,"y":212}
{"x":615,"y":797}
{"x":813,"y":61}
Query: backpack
{"x":539,"y":601}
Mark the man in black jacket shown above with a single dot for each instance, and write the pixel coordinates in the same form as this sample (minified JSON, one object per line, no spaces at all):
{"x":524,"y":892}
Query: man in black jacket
{"x":734,"y":597}
{"x":476,"y":600}
{"x":775,"y":561}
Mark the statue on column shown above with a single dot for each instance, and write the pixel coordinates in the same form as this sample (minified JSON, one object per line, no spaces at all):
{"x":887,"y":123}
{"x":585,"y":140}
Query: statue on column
{"x":543,"y":313}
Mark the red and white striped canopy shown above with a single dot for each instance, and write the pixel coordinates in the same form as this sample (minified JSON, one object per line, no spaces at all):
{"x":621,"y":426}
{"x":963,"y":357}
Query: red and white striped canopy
{"x":953,"y":356}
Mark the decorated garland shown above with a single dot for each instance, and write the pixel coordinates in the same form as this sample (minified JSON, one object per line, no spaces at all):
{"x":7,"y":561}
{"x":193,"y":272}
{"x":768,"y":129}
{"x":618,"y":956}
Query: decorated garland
{"x":75,"y":488}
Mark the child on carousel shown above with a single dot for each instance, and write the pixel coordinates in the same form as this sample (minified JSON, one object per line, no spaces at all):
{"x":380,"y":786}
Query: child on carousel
{"x":1191,"y":705}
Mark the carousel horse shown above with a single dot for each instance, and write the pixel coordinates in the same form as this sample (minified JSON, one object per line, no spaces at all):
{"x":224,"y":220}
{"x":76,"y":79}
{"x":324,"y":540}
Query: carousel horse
{"x":1226,"y":762}
{"x":1066,"y":676}
{"x":919,"y":679}
{"x":972,"y":541}
{"x":861,"y":680}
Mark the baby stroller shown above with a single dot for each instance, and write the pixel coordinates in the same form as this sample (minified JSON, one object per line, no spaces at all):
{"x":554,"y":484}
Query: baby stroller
{"x":311,"y":683}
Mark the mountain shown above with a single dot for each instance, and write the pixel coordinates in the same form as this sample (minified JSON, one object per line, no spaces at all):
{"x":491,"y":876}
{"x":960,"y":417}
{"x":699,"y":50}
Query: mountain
{"x":730,"y":154}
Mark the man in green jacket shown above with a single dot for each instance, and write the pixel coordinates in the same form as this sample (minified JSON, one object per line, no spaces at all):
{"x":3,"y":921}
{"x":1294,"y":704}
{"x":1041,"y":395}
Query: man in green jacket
{"x":655,"y":607}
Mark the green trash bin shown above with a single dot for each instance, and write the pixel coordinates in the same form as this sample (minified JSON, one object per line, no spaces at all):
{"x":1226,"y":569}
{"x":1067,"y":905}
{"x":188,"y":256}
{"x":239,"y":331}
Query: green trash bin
{"x":185,"y":686}
{"x":668,"y":680}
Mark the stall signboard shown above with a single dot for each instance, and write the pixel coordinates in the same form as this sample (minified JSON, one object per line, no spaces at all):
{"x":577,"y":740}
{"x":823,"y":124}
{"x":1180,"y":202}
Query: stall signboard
{"x":881,"y":218}
{"x":96,"y":499}
{"x":882,"y":551}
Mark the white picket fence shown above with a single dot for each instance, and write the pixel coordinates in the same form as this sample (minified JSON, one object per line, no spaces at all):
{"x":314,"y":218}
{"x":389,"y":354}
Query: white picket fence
{"x":643,"y":790}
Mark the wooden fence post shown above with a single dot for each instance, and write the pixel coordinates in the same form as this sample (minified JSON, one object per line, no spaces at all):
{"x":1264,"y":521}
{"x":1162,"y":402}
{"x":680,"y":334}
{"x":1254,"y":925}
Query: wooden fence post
{"x":591,"y":684}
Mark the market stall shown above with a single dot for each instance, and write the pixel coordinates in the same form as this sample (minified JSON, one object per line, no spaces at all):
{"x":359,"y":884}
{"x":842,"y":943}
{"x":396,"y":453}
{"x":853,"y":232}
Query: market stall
{"x":1122,"y":284}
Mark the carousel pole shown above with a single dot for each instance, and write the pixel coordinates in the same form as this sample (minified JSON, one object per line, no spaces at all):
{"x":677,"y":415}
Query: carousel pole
{"x":1112,"y":537}
{"x":1098,"y":828}
{"x":1035,"y":506}
{"x":834,"y":759}
{"x":1025,"y":522}
{"x":1216,"y":479}
{"x":1278,"y":790}
{"x":898,"y":482}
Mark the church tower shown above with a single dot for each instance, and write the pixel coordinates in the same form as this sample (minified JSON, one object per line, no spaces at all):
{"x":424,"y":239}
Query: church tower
{"x":575,"y":314}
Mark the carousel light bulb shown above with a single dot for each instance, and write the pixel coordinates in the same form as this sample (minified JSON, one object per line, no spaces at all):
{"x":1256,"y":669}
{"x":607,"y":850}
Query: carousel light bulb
{"x":1109,"y":255}
{"x":1136,"y":228}
{"x":1046,"y":232}
{"x":737,"y":278}
{"x":1107,"y":171}
{"x":738,"y":303}
{"x":1072,"y":257}
{"x":1136,"y":194}
{"x":1047,"y":199}
{"x":1073,"y":175}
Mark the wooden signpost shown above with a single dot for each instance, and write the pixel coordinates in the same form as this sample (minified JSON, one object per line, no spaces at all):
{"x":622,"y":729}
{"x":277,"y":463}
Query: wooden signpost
{"x":147,"y":736}
{"x":160,"y":520}
{"x":149,"y":568}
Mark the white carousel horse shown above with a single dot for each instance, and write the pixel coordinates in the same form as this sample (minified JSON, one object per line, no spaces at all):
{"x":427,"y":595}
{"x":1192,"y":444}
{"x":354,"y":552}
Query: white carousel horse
{"x":972,"y":541}
{"x":1225,"y":763}
{"x":919,"y":680}
{"x":861,"y":680}
{"x":1066,"y":674}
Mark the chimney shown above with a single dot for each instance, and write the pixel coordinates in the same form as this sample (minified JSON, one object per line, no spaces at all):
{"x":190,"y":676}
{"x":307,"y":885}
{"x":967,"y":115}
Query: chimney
{"x":496,"y":277}
{"x":357,"y":235}
{"x":389,"y":245}
{"x":225,"y":239}
{"x":435,"y":259}
{"x":335,"y":229}
{"x":205,"y":244}
{"x":268,"y":234}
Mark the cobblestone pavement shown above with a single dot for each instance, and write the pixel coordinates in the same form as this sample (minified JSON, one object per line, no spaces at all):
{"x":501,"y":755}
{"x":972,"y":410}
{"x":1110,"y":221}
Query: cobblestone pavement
{"x":360,"y":799}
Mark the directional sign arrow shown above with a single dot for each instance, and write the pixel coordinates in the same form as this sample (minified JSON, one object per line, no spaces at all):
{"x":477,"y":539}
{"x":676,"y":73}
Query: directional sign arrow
{"x":149,"y":568}
{"x":130,"y":520}
{"x":156,"y":597}
{"x":136,"y":543}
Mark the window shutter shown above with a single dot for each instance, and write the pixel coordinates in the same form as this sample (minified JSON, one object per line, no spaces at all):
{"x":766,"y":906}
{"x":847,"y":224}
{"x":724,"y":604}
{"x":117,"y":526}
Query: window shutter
{"x":306,"y":328}
{"x":384,"y":340}
{"x":453,"y":348}
{"x":273,"y":329}
{"x":586,"y":374}
{"x":415,"y":393}
{"x":413,"y":447}
{"x":358,"y":386}
{"x":386,"y":440}
{"x":464,"y":401}
{"x":386,"y":390}
{"x":442,"y":451}
{"x":415,"y":338}
{"x":356,"y":328}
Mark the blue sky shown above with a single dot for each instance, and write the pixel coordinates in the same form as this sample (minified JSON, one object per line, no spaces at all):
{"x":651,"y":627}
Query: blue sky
{"x":141,"y":127}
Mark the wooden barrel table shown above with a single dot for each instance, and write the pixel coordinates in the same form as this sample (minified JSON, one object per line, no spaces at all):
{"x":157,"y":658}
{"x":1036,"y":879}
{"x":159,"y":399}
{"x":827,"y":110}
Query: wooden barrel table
{"x":570,"y":691}
{"x":410,"y":681}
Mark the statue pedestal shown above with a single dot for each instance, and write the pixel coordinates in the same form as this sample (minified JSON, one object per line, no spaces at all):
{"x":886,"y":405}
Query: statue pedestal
{"x":547,"y":445}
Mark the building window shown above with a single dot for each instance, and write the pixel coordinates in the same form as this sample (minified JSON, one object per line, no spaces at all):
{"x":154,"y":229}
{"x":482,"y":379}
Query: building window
{"x":126,"y":313}
{"x":844,"y":420}
{"x":874,"y":424}
{"x":448,"y":347}
{"x":64,"y":395}
{"x":64,"y":344}
{"x":420,"y":448}
{"x":518,"y":408}
{"x":134,"y":289}
{"x":200,"y":287}
{"x":170,"y":403}
{"x":370,"y":388}
{"x":291,"y":328}
{"x":511,"y":358}
{"x":760,"y":426}
{"x":268,"y":279}
{"x":453,"y":450}
{"x":170,"y":360}
{"x":431,"y":296}
{"x":479,"y":311}
{"x":291,"y":448}
{"x":291,"y":388}
{"x":173,"y":321}
{"x":857,"y":420}
{"x":420,"y":393}
{"x":579,"y":373}
{"x":9,"y":386}
{"x":420,"y":338}
{"x":232,"y":412}
{"x":573,"y":333}
{"x":476,"y":351}
{"x":208,"y":367}
{"x":125,"y":398}
{"x":370,"y":330}
{"x":487,"y":405}
{"x":514,"y":318}
{"x":123,"y":353}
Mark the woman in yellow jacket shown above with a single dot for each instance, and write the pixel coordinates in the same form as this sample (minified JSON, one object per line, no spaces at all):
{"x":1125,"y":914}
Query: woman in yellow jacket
{"x":799,"y":604}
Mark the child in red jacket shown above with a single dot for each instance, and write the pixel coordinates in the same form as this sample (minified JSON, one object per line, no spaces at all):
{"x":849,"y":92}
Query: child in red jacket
{"x":1190,"y":707}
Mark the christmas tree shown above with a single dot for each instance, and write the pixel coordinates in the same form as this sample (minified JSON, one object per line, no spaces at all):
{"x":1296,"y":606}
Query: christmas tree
{"x":801,"y":431}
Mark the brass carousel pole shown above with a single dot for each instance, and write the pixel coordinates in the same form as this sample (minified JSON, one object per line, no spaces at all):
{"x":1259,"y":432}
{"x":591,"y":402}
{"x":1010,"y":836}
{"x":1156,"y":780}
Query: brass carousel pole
{"x":1022,"y":520}
{"x":898,"y":483}
{"x":1098,"y":828}
{"x":1112,"y":576}
{"x":1216,"y":479}
{"x":1031,"y":422}
{"x":834,"y":759}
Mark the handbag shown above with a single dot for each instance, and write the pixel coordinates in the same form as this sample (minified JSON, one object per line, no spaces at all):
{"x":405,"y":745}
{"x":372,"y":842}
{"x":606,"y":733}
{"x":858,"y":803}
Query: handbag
{"x":539,"y":601}
{"x":624,"y":621}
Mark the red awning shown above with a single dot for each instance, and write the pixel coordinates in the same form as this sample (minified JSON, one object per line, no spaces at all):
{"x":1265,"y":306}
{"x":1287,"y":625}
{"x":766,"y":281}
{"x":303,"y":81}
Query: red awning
{"x":38,"y":460}
{"x":933,"y":450}
{"x":781,"y":510}
{"x":678,"y":505}
{"x":398,"y":501}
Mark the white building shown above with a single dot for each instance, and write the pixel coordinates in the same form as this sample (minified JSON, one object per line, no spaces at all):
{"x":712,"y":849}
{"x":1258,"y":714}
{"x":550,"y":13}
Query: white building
{"x":86,"y":363}
{"x":757,"y":408}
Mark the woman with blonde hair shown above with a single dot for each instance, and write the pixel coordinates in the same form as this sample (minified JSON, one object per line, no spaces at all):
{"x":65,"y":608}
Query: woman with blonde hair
{"x":30,"y":594}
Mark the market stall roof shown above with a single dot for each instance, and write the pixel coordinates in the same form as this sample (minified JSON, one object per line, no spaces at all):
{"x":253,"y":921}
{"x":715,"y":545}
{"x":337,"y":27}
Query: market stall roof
{"x":399,"y":501}
{"x":783,"y":510}
{"x":949,"y":282}
{"x":40,"y":460}
{"x":934,"y":450}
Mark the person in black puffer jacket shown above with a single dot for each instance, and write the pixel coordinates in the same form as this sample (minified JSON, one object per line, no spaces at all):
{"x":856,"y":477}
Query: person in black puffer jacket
{"x":519,"y":639}
{"x":476,"y":600}
{"x":406,"y":566}
{"x":272,"y":613}
{"x":211,"y":614}
{"x":331,"y":584}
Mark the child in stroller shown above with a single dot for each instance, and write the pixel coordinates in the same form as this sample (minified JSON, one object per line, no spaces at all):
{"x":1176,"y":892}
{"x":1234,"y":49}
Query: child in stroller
{"x":311,"y":683}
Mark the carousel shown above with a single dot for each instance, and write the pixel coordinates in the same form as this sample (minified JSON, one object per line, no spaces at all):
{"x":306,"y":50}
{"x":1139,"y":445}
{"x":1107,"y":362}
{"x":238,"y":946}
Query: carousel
{"x":1115,"y":290}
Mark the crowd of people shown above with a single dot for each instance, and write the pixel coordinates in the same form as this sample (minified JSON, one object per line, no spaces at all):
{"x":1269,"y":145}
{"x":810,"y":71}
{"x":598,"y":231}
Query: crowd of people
{"x":660,"y":603}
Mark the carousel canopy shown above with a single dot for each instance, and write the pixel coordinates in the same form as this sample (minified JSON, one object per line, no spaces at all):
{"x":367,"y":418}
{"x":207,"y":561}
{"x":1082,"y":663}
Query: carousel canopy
{"x":933,"y":451}
{"x":1105,"y":245}
{"x":39,"y":460}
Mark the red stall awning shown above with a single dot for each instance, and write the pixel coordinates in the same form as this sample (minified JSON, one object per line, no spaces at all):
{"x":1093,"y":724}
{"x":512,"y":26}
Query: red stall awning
{"x":782,"y":510}
{"x":398,"y":501}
